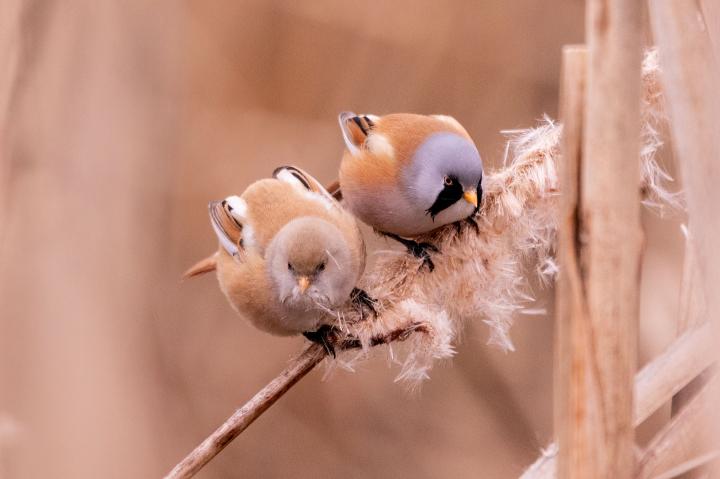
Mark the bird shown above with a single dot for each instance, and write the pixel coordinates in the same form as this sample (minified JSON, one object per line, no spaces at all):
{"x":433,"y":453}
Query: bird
{"x":288,"y":253}
{"x":407,"y":174}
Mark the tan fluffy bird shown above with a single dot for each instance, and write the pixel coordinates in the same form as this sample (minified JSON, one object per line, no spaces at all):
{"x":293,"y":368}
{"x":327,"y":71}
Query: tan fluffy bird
{"x":406,"y":174}
{"x":288,"y":253}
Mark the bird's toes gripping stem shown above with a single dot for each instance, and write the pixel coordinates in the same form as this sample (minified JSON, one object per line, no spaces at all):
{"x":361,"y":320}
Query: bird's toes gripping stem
{"x":419,"y":250}
{"x":364,"y":301}
{"x":325,"y":336}
{"x":471,"y":220}
{"x":422,"y":251}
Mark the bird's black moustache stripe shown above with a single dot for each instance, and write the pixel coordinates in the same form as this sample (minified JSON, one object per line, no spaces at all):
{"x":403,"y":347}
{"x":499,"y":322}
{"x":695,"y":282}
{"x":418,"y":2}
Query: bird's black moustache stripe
{"x":449,"y":195}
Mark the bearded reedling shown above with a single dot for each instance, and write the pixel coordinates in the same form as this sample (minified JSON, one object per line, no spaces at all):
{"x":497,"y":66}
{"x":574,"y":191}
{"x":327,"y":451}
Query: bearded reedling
{"x":406,"y":174}
{"x":289,"y":254}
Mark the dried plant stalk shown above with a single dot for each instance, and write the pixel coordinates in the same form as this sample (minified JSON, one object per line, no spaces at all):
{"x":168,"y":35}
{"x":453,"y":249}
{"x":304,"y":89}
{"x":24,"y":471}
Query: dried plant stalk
{"x":570,"y":328}
{"x":684,"y":437}
{"x":654,"y":385}
{"x":684,"y":360}
{"x":600,"y":296}
{"x":10,"y":51}
{"x":245,"y":416}
{"x":692,"y":307}
{"x":690,"y":465}
{"x":711,"y":12}
{"x":692,"y":302}
{"x":690,"y":77}
{"x":267,"y":396}
{"x":681,"y":48}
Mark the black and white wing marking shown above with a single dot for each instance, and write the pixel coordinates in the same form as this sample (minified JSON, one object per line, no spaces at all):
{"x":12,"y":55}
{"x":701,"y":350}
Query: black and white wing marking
{"x":227,"y":225}
{"x":299,"y":178}
{"x":355,"y":129}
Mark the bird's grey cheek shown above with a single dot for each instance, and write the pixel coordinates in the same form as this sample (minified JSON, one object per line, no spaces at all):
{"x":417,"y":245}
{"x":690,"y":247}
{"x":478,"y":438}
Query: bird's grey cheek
{"x":420,"y":180}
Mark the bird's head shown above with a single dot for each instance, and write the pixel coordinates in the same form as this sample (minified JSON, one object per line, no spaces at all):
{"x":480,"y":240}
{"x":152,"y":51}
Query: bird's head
{"x":310,"y":265}
{"x":434,"y":160}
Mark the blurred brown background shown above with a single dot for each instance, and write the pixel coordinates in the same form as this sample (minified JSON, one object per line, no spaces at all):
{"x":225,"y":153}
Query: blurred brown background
{"x":121,"y":120}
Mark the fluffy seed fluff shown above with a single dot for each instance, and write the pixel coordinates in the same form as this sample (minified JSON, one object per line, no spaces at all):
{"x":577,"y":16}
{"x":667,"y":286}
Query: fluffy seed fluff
{"x":480,"y":274}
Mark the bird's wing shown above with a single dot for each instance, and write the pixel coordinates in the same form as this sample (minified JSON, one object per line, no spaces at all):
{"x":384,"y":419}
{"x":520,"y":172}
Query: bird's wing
{"x":227,"y":226}
{"x":355,"y":129}
{"x":296,"y":176}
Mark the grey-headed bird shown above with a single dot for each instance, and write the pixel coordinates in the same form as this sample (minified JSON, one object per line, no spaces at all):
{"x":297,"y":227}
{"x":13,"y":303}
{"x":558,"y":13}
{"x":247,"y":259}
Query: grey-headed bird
{"x":407,"y":174}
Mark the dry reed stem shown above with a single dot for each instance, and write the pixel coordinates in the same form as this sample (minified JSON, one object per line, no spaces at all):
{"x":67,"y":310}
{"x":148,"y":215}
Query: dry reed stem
{"x":597,"y":435}
{"x":690,"y":465}
{"x":692,"y":302}
{"x":690,"y":354}
{"x":10,"y":51}
{"x":245,"y":416}
{"x":692,"y":306}
{"x":267,"y":396}
{"x":685,"y":359}
{"x":711,"y":12}
{"x":683,"y":438}
{"x":690,"y":78}
{"x":569,"y":334}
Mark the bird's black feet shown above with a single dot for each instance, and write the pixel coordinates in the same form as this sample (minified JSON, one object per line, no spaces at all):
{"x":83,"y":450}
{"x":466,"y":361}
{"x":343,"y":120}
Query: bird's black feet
{"x":419,"y":250}
{"x":473,"y":223}
{"x":363,"y":301}
{"x":422,"y":251}
{"x":470,"y":220}
{"x":324,"y":336}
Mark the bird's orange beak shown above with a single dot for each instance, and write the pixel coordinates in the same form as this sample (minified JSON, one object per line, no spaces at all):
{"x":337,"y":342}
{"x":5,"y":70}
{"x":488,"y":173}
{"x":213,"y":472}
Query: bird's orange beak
{"x":303,"y":283}
{"x":471,"y":197}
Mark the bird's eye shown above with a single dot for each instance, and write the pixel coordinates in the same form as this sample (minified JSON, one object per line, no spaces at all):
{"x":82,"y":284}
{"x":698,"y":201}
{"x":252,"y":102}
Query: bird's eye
{"x":290,"y":268}
{"x":321,"y":267}
{"x":448,"y":181}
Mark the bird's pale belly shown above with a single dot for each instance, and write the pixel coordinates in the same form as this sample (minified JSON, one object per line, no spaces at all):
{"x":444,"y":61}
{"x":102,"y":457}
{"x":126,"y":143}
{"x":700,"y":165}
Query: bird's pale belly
{"x":389,"y":212}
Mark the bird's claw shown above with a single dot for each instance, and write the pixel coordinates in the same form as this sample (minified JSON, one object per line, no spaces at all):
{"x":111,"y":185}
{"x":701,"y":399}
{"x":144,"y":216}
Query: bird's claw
{"x":419,"y":250}
{"x":422,"y":251}
{"x":473,"y":223}
{"x":470,"y":220}
{"x":325,"y":336}
{"x":364,"y":301}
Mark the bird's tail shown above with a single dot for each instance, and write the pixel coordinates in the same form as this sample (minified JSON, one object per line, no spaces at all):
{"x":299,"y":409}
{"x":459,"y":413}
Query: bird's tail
{"x":203,"y":266}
